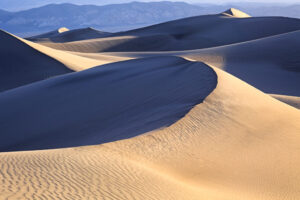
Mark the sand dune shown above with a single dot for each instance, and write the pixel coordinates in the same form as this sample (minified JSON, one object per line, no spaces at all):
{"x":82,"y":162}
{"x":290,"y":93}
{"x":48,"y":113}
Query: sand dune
{"x":237,"y":144}
{"x":62,"y":35}
{"x":72,"y":106}
{"x":233,"y":12}
{"x":185,"y":34}
{"x":50,"y":34}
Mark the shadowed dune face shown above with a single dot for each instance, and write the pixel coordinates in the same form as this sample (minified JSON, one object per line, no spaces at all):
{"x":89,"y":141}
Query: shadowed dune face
{"x":185,"y":34}
{"x":21,"y":64}
{"x":103,"y":104}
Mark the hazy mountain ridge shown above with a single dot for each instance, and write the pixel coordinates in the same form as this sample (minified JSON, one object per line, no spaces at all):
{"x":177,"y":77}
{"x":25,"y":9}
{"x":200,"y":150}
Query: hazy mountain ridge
{"x":110,"y":17}
{"x":17,"y":5}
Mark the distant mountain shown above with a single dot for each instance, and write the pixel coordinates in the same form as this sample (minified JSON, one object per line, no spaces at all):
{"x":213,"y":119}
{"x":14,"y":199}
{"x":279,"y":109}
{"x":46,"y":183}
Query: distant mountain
{"x":4,"y":14}
{"x":17,"y":5}
{"x":117,"y":17}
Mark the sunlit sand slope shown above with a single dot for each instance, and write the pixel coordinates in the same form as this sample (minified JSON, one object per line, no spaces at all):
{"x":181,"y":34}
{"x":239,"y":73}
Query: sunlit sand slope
{"x":103,"y":104}
{"x":238,"y":144}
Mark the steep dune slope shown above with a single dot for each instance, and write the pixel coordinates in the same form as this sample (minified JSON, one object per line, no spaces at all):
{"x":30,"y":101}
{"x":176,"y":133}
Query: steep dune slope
{"x":186,"y":34}
{"x":102,"y":104}
{"x":21,"y":64}
{"x":238,"y":144}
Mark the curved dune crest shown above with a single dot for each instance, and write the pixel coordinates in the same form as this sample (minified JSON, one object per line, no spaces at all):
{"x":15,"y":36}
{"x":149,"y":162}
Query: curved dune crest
{"x":103,"y":104}
{"x":71,"y":61}
{"x":51,"y":33}
{"x":237,"y":144}
{"x":63,"y":29}
{"x":21,"y":64}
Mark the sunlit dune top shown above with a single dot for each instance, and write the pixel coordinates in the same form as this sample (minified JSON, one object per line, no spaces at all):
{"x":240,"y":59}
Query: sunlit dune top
{"x":62,"y":29}
{"x":232,"y":12}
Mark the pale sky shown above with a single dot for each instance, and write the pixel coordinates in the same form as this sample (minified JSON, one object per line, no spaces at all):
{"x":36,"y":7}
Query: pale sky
{"x":223,"y":1}
{"x":214,"y":1}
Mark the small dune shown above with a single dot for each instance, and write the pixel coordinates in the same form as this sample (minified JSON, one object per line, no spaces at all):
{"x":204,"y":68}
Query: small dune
{"x":66,"y":35}
{"x":233,"y":12}
{"x":50,"y":34}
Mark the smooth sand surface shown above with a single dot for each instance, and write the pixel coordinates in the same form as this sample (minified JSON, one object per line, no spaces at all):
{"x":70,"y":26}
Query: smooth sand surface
{"x":237,"y":144}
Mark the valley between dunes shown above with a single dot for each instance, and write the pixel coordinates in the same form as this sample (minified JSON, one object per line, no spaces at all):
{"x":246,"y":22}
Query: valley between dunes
{"x":198,"y":108}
